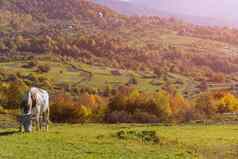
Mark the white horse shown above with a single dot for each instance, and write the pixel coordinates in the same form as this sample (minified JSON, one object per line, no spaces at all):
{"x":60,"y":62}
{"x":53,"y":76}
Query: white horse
{"x":35,"y":105}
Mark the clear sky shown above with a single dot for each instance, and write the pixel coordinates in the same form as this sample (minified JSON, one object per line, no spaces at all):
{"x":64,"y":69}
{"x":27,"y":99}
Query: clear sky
{"x":226,"y":9}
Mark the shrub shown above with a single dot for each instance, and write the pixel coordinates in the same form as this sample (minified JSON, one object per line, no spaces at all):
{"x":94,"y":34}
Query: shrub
{"x":43,"y":69}
{"x":205,"y":104}
{"x":89,"y":90}
{"x":145,"y":136}
{"x":99,"y":114}
{"x":181,"y":109}
{"x":13,"y":94}
{"x":228,"y":103}
{"x":44,"y":83}
{"x":12,"y":78}
{"x":133,"y":81}
{"x":145,"y":117}
{"x":118,"y":117}
{"x":2,"y":110}
{"x":140,"y":106}
{"x":65,"y":109}
{"x":31,"y":64}
{"x":160,"y":106}
{"x":219,"y":78}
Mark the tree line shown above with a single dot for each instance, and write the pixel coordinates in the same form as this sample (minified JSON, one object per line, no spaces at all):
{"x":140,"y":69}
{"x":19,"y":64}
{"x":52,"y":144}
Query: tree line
{"x":127,"y":105}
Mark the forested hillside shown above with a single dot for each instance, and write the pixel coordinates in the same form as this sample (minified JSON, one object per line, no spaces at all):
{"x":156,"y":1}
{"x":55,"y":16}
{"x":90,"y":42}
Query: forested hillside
{"x":95,"y":34}
{"x":79,"y":46}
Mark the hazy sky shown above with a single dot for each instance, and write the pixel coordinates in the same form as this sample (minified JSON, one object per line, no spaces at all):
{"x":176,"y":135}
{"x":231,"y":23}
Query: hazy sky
{"x":227,"y":9}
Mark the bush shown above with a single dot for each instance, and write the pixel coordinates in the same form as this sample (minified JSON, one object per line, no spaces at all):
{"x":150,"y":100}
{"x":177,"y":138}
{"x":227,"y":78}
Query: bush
{"x":89,"y":90}
{"x":181,"y":109}
{"x":133,"y":81}
{"x":43,"y":69}
{"x":140,"y":107}
{"x":144,"y":117}
{"x":64,"y":109}
{"x":144,"y":136}
{"x":44,"y":83}
{"x":13,"y":94}
{"x":228,"y":103}
{"x":205,"y":104}
{"x":160,"y":106}
{"x":30,"y":64}
{"x":3,"y":111}
{"x":12,"y":78}
{"x":119,"y":117}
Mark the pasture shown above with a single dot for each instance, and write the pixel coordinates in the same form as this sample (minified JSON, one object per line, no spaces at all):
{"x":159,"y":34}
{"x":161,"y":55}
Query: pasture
{"x":98,"y":141}
{"x":78,"y":75}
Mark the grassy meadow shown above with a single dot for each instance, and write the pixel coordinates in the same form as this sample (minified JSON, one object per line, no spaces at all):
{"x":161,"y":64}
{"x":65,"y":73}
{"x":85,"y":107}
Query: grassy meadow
{"x":80,"y":75}
{"x":98,"y":141}
{"x":101,"y":141}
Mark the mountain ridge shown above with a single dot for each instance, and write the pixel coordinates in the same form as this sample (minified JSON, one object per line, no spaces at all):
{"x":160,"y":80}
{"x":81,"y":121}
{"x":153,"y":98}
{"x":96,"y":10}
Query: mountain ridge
{"x":133,"y":8}
{"x":97,"y":35}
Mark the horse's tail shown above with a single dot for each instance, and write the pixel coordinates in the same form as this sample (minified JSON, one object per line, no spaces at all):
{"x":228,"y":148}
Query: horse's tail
{"x":29,"y":102}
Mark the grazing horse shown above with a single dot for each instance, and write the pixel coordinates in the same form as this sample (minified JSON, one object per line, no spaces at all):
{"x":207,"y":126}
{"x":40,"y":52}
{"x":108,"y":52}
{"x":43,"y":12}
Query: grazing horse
{"x":35,"y":105}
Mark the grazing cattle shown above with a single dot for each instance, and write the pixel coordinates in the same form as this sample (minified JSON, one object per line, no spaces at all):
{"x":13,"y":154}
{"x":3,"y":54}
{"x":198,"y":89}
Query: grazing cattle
{"x":35,"y":105}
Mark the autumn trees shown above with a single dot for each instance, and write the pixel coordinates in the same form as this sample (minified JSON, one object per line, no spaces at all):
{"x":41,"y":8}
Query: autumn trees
{"x":11,"y":94}
{"x":87,"y":107}
{"x":126,"y":105}
{"x":209,"y":104}
{"x":114,"y":40}
{"x":139,"y":107}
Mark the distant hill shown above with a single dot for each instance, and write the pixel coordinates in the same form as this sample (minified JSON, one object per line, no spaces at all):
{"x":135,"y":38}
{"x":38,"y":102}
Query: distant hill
{"x":94,"y":34}
{"x":54,"y":9}
{"x":142,"y":8}
{"x":127,"y":8}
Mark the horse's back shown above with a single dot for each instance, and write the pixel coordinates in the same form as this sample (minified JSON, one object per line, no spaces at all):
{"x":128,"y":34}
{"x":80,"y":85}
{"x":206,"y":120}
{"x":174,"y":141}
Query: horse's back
{"x":42,"y":98}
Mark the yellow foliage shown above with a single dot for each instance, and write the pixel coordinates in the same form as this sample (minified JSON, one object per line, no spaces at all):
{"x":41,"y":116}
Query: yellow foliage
{"x":85,"y":111}
{"x":228,"y":103}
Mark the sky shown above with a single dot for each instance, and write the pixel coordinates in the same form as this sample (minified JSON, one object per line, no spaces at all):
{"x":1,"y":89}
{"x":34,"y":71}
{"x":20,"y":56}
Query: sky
{"x":224,"y":9}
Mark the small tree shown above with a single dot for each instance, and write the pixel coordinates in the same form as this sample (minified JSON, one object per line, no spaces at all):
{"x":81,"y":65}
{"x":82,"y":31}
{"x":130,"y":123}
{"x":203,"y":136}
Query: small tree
{"x":43,"y":68}
{"x":228,"y":103}
{"x":65,"y":109}
{"x":160,"y":106}
{"x":14,"y":94}
{"x":206,"y":104}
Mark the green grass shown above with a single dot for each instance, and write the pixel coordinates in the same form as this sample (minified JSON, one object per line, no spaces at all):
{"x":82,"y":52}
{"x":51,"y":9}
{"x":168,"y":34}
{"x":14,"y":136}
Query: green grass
{"x":97,"y":141}
{"x":100,"y":76}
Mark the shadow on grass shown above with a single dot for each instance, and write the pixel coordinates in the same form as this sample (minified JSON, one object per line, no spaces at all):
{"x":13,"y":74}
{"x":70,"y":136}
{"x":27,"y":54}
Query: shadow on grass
{"x":8,"y":133}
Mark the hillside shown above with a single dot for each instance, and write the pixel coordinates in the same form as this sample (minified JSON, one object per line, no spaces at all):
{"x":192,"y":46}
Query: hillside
{"x":214,"y":14}
{"x":130,"y":9}
{"x":91,"y":34}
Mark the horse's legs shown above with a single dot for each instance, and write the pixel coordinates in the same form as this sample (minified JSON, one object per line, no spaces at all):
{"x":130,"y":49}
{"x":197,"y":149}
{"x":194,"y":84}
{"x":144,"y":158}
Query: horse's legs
{"x":21,"y":127}
{"x":20,"y":120}
{"x":46,"y":119}
{"x":38,"y":122}
{"x":41,"y":121}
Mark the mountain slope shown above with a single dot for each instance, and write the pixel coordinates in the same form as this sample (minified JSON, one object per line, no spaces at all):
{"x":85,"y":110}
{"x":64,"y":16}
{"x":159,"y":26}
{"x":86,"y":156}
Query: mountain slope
{"x":90,"y":33}
{"x":161,"y":8}
{"x":128,"y":8}
{"x":54,"y":9}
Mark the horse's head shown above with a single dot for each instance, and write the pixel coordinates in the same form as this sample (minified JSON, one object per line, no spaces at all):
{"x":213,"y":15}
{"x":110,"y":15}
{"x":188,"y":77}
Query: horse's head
{"x":26,"y":108}
{"x":26,"y":120}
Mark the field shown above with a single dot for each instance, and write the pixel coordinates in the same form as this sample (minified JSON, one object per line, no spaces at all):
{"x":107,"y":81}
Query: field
{"x":78,"y":75}
{"x":97,"y":141}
